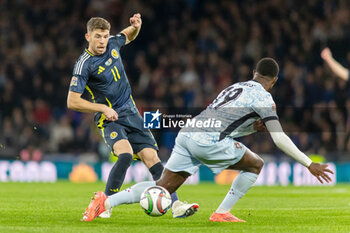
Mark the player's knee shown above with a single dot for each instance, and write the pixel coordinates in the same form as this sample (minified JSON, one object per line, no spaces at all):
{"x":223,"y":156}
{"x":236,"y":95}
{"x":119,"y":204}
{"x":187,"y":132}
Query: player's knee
{"x":126,"y":156}
{"x":118,"y":153}
{"x":122,"y":147}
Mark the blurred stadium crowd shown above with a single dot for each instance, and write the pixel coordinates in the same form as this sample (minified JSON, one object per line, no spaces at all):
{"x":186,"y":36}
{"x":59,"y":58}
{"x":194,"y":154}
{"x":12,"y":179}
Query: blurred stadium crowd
{"x":186,"y":53}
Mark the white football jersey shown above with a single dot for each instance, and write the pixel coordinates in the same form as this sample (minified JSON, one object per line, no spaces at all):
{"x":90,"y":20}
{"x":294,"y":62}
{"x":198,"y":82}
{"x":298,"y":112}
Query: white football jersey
{"x":237,"y":107}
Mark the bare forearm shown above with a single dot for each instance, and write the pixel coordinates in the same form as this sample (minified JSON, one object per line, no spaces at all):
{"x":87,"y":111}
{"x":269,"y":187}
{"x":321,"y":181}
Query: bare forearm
{"x":131,"y":33}
{"x":82,"y":105}
{"x":338,"y":69}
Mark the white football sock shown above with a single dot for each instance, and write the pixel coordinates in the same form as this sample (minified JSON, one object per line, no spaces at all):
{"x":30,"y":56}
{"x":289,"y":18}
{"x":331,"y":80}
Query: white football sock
{"x":107,"y":204}
{"x":129,"y":195}
{"x":243,"y":182}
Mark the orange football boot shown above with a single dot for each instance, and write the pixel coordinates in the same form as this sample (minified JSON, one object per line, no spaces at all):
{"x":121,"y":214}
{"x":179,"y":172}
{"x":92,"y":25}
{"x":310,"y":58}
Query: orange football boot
{"x":227,"y":217}
{"x":96,"y":207}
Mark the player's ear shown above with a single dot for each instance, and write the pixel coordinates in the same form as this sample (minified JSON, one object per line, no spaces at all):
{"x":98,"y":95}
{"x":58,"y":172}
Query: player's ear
{"x":87,"y":37}
{"x":274,"y":80}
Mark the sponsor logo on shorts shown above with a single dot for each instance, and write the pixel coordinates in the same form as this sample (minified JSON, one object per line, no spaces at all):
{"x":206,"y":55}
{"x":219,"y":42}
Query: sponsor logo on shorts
{"x":113,"y":135}
{"x":115,"y":54}
{"x":238,"y":145}
{"x":74,"y":81}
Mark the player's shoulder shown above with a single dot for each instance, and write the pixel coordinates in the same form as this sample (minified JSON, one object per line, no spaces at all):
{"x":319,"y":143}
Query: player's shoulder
{"x":258,"y":93}
{"x":117,"y":41}
{"x":115,"y":38}
{"x":250,"y":87}
{"x":264,"y":99}
{"x":82,"y":62}
{"x":257,"y":87}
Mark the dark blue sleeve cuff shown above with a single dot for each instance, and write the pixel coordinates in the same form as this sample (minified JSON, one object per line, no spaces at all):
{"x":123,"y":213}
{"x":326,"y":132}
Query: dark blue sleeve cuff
{"x":269,"y":118}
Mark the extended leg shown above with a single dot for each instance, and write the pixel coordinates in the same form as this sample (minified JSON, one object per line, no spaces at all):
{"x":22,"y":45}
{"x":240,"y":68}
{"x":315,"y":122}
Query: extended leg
{"x":169,"y":180}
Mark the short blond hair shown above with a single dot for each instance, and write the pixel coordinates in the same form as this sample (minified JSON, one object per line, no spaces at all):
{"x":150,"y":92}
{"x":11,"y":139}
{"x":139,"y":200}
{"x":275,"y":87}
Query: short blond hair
{"x":97,"y":23}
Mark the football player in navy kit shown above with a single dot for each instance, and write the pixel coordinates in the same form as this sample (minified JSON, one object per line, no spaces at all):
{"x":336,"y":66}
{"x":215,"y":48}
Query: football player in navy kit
{"x":100,"y":71}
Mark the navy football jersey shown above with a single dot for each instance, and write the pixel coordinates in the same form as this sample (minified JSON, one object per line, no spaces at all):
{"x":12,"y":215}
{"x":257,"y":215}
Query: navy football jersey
{"x":103,"y":76}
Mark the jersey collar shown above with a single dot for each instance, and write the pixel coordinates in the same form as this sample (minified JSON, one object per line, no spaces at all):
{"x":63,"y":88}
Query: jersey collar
{"x":90,"y":53}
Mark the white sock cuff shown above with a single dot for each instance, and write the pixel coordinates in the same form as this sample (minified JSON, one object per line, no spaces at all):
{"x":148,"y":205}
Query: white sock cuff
{"x":243,"y":182}
{"x":107,"y":204}
{"x":250,"y":176}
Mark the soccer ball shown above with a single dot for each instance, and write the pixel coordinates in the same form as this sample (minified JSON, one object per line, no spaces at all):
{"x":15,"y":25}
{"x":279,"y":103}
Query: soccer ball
{"x":155,"y":201}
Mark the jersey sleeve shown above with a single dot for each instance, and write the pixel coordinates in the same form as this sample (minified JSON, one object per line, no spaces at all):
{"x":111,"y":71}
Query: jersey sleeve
{"x":80,"y":76}
{"x":265,"y":107}
{"x":118,"y":40}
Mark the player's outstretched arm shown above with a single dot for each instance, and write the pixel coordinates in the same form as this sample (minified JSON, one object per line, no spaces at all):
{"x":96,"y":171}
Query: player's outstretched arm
{"x":284,"y":143}
{"x":75,"y":102}
{"x":132,"y":31}
{"x":335,"y":66}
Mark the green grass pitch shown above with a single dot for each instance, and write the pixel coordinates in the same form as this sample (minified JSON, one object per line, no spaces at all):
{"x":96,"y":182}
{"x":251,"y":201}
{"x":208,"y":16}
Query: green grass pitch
{"x":58,"y":207}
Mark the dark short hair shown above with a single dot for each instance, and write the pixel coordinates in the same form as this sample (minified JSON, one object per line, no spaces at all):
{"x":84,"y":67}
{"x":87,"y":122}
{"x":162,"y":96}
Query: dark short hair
{"x":98,"y":23}
{"x":267,"y":67}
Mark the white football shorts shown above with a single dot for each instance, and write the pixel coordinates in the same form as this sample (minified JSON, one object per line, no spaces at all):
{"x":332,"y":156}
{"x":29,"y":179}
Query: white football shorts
{"x":189,"y":154}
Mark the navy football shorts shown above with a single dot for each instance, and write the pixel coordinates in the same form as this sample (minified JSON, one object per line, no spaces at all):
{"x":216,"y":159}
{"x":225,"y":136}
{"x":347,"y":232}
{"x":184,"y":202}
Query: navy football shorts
{"x":128,"y":126}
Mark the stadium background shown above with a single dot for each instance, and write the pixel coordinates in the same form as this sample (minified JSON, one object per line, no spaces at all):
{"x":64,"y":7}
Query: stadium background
{"x":186,"y":53}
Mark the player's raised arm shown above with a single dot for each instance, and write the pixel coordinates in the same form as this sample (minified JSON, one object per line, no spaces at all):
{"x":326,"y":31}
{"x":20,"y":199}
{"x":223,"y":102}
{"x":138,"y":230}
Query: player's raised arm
{"x":335,"y":66}
{"x":75,"y":102}
{"x":283,"y":142}
{"x":132,"y":31}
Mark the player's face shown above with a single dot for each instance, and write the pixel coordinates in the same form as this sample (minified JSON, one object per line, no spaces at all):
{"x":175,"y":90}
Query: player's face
{"x":98,"y":40}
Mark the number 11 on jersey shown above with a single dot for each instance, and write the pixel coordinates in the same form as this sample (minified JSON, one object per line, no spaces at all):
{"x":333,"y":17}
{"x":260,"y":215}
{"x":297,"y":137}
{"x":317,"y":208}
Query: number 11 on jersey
{"x":115,"y":71}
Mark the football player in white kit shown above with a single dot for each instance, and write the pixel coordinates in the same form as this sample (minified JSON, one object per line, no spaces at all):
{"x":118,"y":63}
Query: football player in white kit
{"x":240,"y":108}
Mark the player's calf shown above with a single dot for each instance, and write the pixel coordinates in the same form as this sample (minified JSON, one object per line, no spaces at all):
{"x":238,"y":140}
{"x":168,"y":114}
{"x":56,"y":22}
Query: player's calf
{"x":257,"y":165}
{"x":117,"y":174}
{"x":171,"y":181}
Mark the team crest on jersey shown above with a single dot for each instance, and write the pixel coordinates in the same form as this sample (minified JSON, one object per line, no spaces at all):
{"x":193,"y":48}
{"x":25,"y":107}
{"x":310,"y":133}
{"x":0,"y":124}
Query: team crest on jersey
{"x":74,"y":81}
{"x":115,"y":54}
{"x":113,"y":135}
{"x":108,"y":62}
